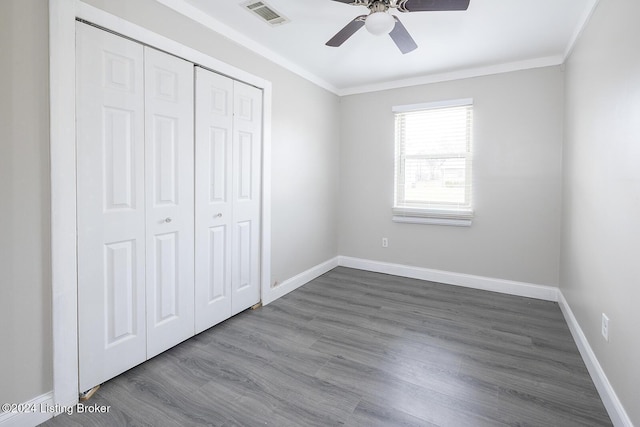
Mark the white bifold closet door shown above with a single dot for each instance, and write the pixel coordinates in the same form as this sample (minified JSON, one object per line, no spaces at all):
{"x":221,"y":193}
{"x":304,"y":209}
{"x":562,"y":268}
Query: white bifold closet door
{"x":169,"y":174}
{"x":228,"y":197}
{"x":134,"y":133}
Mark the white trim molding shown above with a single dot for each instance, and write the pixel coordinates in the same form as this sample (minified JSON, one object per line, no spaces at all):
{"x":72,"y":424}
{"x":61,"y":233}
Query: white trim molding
{"x":454,"y":222}
{"x":608,"y":395}
{"x":463,"y":102}
{"x":529,"y":290}
{"x":548,"y":61}
{"x":31,"y":413}
{"x":584,"y":21}
{"x":62,"y":24}
{"x":298,"y":280}
{"x":542,"y":292}
{"x":62,"y":59}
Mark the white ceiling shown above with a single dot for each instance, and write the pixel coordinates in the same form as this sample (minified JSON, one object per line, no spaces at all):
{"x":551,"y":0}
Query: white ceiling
{"x":491,"y":36}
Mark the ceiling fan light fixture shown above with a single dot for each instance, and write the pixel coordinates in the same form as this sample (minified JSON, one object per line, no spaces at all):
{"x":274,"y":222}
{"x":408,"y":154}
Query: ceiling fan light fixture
{"x":379,"y":23}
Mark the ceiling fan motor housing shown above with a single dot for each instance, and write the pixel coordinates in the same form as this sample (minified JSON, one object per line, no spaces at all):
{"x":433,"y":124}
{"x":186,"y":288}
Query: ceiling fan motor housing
{"x":379,"y":6}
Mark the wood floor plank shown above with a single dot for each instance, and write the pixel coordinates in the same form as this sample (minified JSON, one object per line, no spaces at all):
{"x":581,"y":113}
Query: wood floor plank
{"x":368,"y":414}
{"x":380,"y":385}
{"x":357,"y":348}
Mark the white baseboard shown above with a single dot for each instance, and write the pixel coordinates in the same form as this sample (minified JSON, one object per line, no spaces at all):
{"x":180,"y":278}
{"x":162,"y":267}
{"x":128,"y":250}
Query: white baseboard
{"x":547,"y":293}
{"x":299,"y":280}
{"x":608,"y":395}
{"x":32,"y":413}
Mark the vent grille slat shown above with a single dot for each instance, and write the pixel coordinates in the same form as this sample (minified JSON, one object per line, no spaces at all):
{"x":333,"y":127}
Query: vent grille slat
{"x":265,"y":12}
{"x":254,"y":5}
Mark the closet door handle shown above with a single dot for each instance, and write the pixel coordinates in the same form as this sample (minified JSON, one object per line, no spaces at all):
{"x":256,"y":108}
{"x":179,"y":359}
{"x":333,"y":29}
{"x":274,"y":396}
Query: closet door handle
{"x":167,"y":220}
{"x":219,"y":215}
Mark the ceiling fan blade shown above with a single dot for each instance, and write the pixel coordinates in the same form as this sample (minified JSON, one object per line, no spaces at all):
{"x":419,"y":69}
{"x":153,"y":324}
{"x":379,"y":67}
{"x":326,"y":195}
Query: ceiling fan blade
{"x":432,"y":5}
{"x":402,"y":38}
{"x":347,"y":31}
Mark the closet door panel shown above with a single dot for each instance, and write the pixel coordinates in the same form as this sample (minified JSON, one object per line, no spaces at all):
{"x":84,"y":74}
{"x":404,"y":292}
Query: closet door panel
{"x":169,"y":181}
{"x":111,"y":205}
{"x":213,"y":219}
{"x":246,"y":196}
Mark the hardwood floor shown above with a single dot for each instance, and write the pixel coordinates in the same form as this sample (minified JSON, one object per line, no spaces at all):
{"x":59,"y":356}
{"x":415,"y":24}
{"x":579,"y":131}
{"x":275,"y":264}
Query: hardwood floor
{"x":358,"y":348}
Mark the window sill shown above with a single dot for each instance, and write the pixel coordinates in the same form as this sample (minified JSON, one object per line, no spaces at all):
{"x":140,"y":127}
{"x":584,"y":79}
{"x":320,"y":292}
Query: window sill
{"x":432,"y":221}
{"x":456,"y":218}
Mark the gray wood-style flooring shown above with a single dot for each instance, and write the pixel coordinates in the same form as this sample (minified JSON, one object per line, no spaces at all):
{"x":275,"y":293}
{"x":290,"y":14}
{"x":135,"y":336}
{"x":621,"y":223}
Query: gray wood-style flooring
{"x":358,"y":348}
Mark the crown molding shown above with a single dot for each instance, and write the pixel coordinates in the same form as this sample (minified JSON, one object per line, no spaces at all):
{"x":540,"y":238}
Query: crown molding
{"x":192,"y":12}
{"x":584,"y":20}
{"x":548,"y":61}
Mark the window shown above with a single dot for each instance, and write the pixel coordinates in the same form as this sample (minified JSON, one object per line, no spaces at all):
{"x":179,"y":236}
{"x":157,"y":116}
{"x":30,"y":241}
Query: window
{"x":433,"y":163}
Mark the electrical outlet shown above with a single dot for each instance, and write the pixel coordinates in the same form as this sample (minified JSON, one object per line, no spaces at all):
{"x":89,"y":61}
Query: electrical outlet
{"x":605,"y":327}
{"x":385,"y":242}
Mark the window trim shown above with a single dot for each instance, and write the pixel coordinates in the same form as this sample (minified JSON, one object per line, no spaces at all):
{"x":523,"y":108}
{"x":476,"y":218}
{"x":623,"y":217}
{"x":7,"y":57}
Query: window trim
{"x":414,"y":213}
{"x":432,"y":105}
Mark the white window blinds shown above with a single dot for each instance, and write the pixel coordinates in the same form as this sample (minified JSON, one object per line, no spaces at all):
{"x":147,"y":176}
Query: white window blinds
{"x":434,"y":162}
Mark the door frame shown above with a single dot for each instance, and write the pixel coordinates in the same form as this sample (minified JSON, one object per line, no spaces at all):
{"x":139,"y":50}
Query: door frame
{"x":62,"y":104}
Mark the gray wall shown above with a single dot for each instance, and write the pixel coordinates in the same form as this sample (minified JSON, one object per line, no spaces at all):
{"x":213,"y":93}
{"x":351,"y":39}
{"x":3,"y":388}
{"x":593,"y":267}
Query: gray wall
{"x":601,"y":221}
{"x":25,"y":265}
{"x":515,"y":234}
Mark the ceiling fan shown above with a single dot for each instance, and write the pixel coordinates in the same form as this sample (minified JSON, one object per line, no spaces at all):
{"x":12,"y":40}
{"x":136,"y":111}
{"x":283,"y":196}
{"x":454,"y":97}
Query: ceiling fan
{"x":380,"y":21}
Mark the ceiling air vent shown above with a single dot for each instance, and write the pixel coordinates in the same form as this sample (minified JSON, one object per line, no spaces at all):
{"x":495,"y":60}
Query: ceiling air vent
{"x":265,"y":12}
